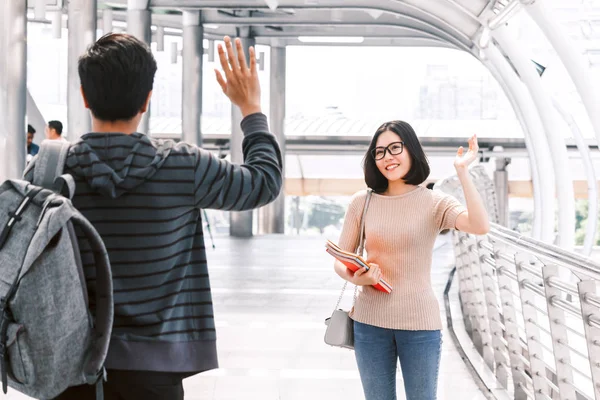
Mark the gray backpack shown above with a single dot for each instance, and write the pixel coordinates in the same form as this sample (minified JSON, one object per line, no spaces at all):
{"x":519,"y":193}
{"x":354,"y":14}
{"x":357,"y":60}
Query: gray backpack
{"x":49,"y":339}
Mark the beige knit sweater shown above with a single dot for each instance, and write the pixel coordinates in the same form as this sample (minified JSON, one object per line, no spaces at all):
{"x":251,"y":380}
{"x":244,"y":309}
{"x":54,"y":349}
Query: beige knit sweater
{"x":400,"y":234}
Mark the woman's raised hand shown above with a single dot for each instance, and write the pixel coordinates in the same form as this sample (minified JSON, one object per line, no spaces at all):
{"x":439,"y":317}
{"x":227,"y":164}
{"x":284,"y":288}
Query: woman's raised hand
{"x":463,"y":160}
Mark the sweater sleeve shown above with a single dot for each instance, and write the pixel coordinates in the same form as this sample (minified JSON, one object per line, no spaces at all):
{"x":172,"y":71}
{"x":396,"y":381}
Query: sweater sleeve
{"x":446,"y":209}
{"x":350,"y":236}
{"x":220,"y":184}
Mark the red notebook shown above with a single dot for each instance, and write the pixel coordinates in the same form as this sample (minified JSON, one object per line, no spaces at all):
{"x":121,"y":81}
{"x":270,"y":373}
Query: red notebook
{"x":354,"y":262}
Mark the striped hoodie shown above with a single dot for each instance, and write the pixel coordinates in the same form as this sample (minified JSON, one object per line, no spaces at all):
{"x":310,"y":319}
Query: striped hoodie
{"x":145,"y":196}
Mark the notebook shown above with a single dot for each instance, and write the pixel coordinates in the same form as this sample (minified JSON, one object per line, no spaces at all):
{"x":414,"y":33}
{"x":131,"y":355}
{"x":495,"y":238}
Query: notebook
{"x":354,"y":262}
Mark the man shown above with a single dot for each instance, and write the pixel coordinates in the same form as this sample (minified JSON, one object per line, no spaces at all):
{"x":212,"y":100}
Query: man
{"x":145,"y":196}
{"x":32,"y":148}
{"x":54,"y":131}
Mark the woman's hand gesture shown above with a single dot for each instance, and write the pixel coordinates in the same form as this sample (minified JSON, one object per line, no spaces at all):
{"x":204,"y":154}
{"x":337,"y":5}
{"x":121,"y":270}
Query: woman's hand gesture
{"x":463,"y":160}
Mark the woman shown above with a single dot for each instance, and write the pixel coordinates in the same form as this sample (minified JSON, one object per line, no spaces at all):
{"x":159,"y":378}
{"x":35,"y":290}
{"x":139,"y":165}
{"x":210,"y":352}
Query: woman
{"x":401,"y":226}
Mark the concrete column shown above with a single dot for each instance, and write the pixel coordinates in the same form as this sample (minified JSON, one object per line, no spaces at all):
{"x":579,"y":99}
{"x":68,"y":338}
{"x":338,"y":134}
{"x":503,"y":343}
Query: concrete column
{"x":13,"y":87}
{"x":82,"y":33}
{"x":193,"y":34}
{"x":272,"y":216}
{"x":240,"y":222}
{"x":139,"y":19}
{"x":501,"y":184}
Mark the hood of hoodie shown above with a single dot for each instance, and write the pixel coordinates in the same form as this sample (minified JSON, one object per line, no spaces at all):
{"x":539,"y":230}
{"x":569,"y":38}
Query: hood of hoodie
{"x":115,"y":163}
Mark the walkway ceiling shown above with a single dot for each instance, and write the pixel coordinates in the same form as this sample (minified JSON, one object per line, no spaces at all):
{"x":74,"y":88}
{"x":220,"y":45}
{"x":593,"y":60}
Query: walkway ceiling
{"x":442,"y":23}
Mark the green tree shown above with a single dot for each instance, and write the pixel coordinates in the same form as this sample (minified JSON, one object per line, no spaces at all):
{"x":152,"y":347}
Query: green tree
{"x":325,"y":214}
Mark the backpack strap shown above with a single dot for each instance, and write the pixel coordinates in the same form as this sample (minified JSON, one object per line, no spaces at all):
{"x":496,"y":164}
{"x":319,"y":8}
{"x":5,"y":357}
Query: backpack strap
{"x":49,"y":166}
{"x":94,"y":372}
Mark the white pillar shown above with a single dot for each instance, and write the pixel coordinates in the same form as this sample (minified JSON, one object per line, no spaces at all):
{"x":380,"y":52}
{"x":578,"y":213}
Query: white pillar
{"x":558,"y":150}
{"x":572,"y":58}
{"x":537,"y":146}
{"x":139,"y":25}
{"x":82,"y":33}
{"x":13,"y":88}
{"x":272,"y":216}
{"x":193,"y":35}
{"x":240,"y":223}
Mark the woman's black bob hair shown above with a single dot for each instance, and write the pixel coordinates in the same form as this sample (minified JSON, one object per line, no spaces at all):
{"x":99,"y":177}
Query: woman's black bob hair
{"x":419,"y":169}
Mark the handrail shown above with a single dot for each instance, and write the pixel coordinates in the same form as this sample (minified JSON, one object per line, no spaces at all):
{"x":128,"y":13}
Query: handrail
{"x":529,"y":306}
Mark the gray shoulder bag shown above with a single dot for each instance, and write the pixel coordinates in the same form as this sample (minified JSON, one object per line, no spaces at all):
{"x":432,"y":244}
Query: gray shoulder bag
{"x":340,"y":327}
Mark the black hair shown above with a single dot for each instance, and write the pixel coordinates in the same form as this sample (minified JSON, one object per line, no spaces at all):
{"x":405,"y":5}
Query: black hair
{"x":117,"y":74}
{"x":57,"y":126}
{"x":30,"y":129}
{"x":419,"y":169}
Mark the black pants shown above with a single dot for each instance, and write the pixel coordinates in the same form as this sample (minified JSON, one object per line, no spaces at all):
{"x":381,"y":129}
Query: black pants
{"x":132,"y":385}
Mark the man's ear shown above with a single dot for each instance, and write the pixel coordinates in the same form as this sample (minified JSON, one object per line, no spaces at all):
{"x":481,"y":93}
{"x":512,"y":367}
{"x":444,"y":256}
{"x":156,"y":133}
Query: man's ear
{"x":146,"y":103}
{"x":85,"y":102}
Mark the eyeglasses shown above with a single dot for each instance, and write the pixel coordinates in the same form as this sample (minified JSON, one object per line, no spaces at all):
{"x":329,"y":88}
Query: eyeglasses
{"x":394,"y":148}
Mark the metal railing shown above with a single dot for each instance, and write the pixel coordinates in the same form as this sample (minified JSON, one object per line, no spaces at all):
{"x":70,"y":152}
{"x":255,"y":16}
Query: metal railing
{"x":531,"y":309}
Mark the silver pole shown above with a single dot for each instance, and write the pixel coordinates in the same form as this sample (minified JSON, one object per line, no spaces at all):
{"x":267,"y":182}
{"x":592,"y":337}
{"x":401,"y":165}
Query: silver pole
{"x":501,"y":184}
{"x":240,"y":222}
{"x":193,"y":35}
{"x":107,"y":21}
{"x":160,"y":38}
{"x":273,"y":215}
{"x":57,"y":24}
{"x":139,"y":25}
{"x":82,"y":15}
{"x":14,"y":87}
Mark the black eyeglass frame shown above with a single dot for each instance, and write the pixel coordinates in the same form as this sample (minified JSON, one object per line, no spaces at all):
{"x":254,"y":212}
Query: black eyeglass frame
{"x":386,"y":149}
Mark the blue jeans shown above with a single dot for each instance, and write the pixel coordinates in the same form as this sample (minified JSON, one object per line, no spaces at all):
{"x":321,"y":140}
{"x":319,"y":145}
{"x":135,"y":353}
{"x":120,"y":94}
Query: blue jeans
{"x":377,"y":350}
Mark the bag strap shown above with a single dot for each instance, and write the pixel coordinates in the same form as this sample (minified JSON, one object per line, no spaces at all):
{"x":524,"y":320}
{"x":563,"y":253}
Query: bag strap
{"x":361,"y":247}
{"x":49,"y":165}
{"x":94,"y":372}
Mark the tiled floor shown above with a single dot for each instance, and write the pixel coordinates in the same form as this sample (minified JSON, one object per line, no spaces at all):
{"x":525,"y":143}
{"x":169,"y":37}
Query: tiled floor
{"x":271,"y":296}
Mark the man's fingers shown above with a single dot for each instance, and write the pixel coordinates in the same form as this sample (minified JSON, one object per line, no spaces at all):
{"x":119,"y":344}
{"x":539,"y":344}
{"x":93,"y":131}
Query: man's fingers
{"x":241,"y":56}
{"x":221,"y":81}
{"x":252,"y":52}
{"x":231,"y":55}
{"x":223,"y":60}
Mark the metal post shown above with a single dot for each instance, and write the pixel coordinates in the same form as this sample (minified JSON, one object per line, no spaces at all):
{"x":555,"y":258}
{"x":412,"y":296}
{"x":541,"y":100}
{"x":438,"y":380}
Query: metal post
{"x":464,"y":277}
{"x":193,"y":34}
{"x":490,"y":285}
{"x":240,"y":222}
{"x":558,"y":150}
{"x":587,"y":86}
{"x":589,"y":293}
{"x":537,"y":147}
{"x":482,"y":337}
{"x":82,"y":16}
{"x":534,"y":346}
{"x":272,"y":216}
{"x":558,"y":327}
{"x":107,"y":20}
{"x":139,"y":25}
{"x":160,"y":38}
{"x":505,"y":270}
{"x":14,"y":87}
{"x":501,"y":185}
